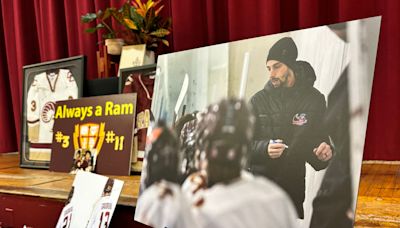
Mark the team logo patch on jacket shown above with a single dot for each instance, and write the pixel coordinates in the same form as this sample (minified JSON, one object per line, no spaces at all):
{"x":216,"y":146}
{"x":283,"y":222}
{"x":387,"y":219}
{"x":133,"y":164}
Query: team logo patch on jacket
{"x":299,"y":119}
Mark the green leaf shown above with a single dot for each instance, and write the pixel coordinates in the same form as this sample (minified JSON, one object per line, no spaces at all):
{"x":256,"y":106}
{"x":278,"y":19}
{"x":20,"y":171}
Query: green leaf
{"x":160,"y":33}
{"x":137,"y":18}
{"x":150,"y":16}
{"x":94,"y":29}
{"x":89,"y":17}
{"x":126,"y":10}
{"x":107,"y":13}
{"x":118,"y":16}
{"x":91,"y":30}
{"x":132,"y":12}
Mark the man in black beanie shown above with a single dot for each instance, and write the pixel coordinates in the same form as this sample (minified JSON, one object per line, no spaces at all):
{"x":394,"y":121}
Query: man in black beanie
{"x":288,"y":130}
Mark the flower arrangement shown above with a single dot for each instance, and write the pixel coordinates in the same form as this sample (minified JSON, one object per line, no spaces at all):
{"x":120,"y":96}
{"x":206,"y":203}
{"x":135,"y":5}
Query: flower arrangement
{"x":141,"y":23}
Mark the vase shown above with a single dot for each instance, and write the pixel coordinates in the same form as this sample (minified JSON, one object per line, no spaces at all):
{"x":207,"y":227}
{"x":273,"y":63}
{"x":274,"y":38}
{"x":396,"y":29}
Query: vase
{"x":149,"y":57}
{"x":114,"y":46}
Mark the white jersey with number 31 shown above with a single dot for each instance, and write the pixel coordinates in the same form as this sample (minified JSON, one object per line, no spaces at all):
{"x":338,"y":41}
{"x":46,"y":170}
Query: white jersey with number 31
{"x":66,"y":216}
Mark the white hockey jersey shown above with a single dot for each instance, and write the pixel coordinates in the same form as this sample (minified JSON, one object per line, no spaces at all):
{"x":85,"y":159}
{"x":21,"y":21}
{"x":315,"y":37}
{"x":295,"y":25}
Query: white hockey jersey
{"x":65,"y":219}
{"x":91,"y":206}
{"x":194,"y":186}
{"x":104,"y":208}
{"x":44,"y":91}
{"x":102,"y":213}
{"x":248,"y":202}
{"x":163,"y":205}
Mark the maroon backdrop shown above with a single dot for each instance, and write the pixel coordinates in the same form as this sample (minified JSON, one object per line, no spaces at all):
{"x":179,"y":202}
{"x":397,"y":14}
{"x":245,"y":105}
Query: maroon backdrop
{"x":39,"y":30}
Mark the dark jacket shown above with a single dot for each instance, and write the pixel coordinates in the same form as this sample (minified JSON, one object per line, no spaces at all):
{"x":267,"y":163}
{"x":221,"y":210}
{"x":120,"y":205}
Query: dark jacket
{"x":334,"y":198}
{"x":293,"y":115}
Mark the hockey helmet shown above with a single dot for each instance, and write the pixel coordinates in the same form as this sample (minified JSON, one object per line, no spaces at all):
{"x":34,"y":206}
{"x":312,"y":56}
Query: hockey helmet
{"x":225,"y":131}
{"x":162,"y":155}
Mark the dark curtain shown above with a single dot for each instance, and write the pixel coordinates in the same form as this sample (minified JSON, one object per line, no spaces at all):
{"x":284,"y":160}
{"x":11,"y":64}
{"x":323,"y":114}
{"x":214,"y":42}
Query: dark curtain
{"x":33,"y":31}
{"x":8,"y":141}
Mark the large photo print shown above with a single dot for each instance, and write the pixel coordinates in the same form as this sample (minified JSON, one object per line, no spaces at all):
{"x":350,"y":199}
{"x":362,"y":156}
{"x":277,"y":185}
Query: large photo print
{"x":263,"y":132}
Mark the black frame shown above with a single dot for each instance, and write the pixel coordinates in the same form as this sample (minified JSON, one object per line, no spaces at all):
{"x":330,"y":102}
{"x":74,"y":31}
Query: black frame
{"x":125,"y":72}
{"x":77,"y":67}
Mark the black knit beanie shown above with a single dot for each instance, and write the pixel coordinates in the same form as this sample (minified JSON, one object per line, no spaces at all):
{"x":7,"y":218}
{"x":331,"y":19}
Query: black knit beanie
{"x":285,"y":51}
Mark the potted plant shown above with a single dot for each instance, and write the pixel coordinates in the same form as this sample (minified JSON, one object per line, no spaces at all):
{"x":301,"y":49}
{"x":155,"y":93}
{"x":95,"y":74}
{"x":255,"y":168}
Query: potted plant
{"x":113,"y":43}
{"x":141,"y":23}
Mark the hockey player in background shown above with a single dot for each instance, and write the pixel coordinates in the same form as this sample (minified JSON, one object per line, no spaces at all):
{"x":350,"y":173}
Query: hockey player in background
{"x":161,"y":204}
{"x":234,"y":198}
{"x":193,"y":179}
{"x":185,"y":128}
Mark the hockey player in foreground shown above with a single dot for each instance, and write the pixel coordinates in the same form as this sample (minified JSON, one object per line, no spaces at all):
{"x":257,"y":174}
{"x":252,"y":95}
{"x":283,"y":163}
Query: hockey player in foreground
{"x":162,"y":204}
{"x":234,"y":198}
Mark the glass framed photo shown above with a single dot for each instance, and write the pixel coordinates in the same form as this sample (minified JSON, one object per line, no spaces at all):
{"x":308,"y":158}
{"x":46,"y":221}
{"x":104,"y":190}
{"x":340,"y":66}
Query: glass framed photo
{"x":132,"y":56}
{"x":139,"y":80}
{"x":43,"y":85}
{"x":126,"y":74}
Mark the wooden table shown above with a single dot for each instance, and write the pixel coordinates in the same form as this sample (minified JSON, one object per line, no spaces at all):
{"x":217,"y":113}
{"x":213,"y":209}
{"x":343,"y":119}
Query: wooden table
{"x":44,"y":192}
{"x":54,"y":185}
{"x":378,"y":202}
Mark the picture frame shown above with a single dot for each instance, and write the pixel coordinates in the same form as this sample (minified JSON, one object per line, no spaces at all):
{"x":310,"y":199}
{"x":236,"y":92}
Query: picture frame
{"x":139,"y":80}
{"x":341,"y":73}
{"x":132,"y":56}
{"x":124,"y":73}
{"x":43,"y":85}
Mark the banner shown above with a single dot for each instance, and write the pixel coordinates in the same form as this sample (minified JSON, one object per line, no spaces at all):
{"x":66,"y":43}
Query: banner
{"x":94,"y":134}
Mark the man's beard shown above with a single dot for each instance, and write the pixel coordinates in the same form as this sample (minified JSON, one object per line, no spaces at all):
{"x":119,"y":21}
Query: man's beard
{"x":280,"y":82}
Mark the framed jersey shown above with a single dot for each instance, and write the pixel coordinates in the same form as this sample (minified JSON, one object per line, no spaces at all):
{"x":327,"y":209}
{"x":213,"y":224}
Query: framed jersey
{"x":139,"y":80}
{"x":44,"y":84}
